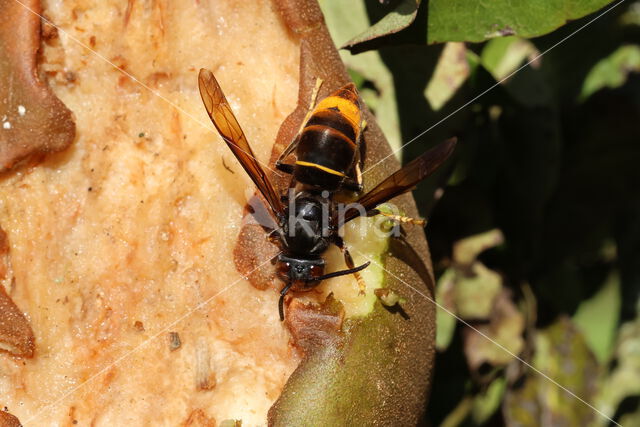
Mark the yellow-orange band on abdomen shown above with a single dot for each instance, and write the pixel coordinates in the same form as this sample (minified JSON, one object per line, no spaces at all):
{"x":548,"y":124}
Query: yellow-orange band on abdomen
{"x":349,"y":110}
{"x":317,"y":166}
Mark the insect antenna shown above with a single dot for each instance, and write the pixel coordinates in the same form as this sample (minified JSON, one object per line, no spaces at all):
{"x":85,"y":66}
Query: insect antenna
{"x":283,"y":292}
{"x":343,"y":272}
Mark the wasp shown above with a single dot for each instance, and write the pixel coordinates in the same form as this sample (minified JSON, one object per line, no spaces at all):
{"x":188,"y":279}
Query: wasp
{"x":327,"y":144}
{"x":326,"y":150}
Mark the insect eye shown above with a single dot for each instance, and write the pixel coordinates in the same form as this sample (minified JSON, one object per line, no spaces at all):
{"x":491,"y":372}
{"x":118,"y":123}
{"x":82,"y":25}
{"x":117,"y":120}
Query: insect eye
{"x":284,"y":268}
{"x":316,"y":271}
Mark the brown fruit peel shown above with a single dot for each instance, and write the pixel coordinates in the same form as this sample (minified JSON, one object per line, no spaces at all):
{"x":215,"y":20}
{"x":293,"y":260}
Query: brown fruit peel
{"x":16,"y":336}
{"x":8,"y":420}
{"x":313,"y":326}
{"x":33,"y":121}
{"x":380,"y":372}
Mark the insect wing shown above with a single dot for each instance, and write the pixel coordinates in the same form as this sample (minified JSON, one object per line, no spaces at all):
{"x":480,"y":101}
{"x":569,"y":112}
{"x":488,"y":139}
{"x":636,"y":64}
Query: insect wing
{"x":404,"y":179}
{"x":225,"y":121}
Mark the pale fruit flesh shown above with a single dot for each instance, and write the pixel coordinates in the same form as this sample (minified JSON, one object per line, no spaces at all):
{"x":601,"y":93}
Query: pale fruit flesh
{"x":122,"y":247}
{"x":128,"y":235}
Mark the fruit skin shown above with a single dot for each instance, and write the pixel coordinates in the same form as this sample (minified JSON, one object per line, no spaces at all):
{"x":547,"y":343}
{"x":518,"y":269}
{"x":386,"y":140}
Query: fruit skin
{"x":378,"y":370}
{"x":35,"y":122}
{"x":375,"y":375}
{"x":8,"y":420}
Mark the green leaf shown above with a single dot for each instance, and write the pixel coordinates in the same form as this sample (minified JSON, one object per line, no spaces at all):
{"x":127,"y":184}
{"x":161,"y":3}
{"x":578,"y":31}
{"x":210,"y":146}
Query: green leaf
{"x":446,"y":309}
{"x":496,"y":343}
{"x":487,"y":403}
{"x":396,"y":20}
{"x":563,"y":355}
{"x":467,"y":289}
{"x":598,"y":317}
{"x":631,"y":419}
{"x":476,"y":286}
{"x":459,"y":413}
{"x":463,"y":20}
{"x":451,"y":71}
{"x":502,"y":56}
{"x":631,"y":16}
{"x":343,"y":20}
{"x":475,"y":293}
{"x":465,"y":251}
{"x":612,"y":71}
{"x":624,"y":379}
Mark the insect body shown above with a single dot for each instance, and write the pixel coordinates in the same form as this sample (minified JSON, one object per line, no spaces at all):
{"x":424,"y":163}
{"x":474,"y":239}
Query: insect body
{"x":327,"y":146}
{"x":308,"y":224}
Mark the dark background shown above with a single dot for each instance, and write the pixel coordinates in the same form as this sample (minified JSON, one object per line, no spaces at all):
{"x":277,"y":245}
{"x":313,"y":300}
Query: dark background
{"x":553,"y":168}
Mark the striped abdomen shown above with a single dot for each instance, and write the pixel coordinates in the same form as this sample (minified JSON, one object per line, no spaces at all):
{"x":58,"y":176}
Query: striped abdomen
{"x":329,"y":140}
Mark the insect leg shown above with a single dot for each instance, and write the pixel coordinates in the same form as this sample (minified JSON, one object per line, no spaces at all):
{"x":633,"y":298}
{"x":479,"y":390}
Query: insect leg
{"x":292,"y":146}
{"x":274,"y":237}
{"x":354,"y":182}
{"x":349,"y":261}
{"x":358,"y":171}
{"x":398,"y":218}
{"x":312,"y":103}
{"x":285,"y":167}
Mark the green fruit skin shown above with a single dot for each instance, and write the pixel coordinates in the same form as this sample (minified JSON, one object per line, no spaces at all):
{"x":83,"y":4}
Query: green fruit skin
{"x":378,"y":374}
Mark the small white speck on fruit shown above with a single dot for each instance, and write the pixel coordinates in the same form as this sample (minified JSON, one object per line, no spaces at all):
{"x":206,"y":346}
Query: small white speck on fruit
{"x":21,"y":110}
{"x":6,"y":125}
